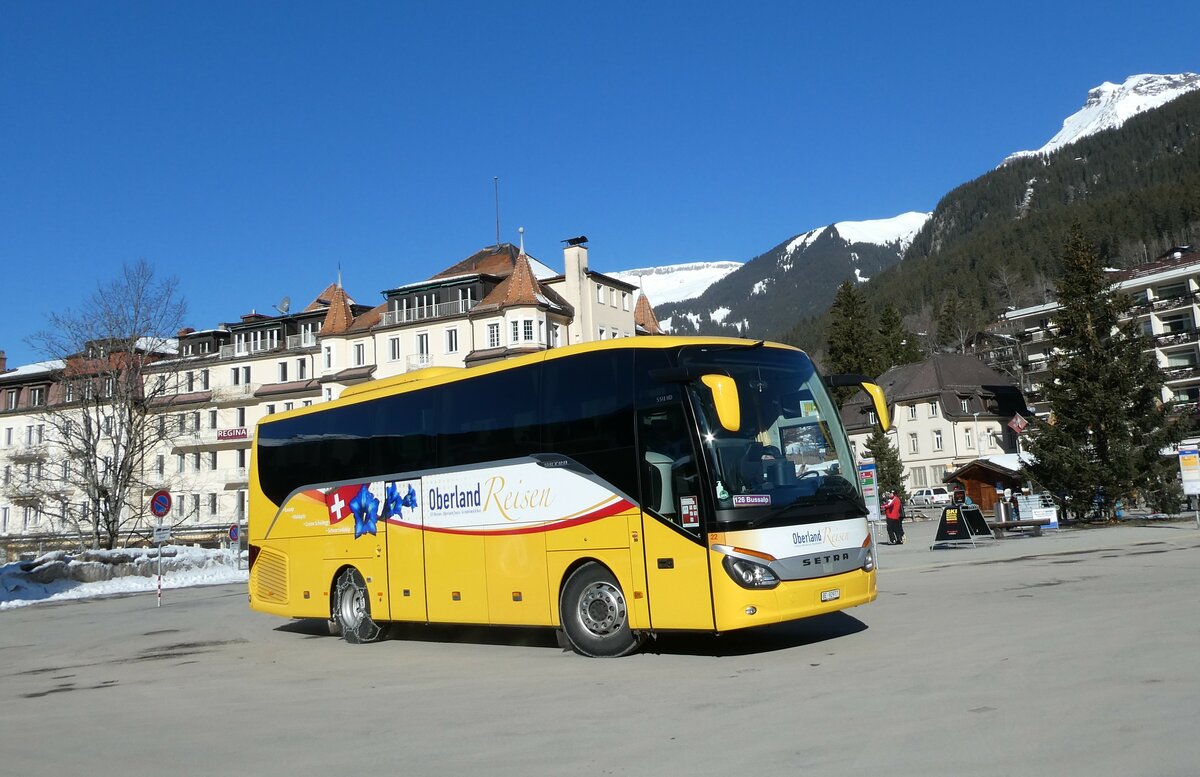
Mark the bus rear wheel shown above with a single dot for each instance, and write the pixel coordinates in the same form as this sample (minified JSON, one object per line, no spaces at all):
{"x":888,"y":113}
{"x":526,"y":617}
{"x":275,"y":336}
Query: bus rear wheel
{"x":594,"y":614}
{"x":352,"y":609}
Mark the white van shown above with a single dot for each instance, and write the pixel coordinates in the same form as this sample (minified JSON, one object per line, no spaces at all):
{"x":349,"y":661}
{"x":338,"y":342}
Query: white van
{"x":930,"y":497}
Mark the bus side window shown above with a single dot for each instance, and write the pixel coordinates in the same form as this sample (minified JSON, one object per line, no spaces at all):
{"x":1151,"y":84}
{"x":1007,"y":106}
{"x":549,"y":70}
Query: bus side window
{"x":587,"y":405}
{"x":490,"y":418}
{"x":669,"y":474}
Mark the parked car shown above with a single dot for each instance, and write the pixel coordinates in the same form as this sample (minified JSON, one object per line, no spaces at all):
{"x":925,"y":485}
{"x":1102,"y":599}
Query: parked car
{"x":935,"y":496}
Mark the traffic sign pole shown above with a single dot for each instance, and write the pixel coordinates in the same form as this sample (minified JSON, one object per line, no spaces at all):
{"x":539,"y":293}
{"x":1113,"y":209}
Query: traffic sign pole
{"x":160,"y":505}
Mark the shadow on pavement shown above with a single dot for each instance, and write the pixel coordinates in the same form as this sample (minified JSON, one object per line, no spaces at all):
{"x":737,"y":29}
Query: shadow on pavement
{"x":765,"y":639}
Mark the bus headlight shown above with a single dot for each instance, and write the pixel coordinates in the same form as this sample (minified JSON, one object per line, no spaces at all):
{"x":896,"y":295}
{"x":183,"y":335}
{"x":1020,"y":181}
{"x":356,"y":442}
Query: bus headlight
{"x":748,"y":574}
{"x":869,"y":556}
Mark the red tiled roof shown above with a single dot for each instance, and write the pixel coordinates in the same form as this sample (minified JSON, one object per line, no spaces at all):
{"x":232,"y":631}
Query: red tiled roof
{"x":644,"y":318}
{"x":493,"y":260}
{"x":339,"y":317}
{"x":522,"y":288}
{"x":370,"y":318}
{"x":323,"y":299}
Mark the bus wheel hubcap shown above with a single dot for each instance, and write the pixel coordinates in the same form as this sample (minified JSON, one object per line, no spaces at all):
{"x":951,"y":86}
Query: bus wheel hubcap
{"x":353,"y":607}
{"x":602,"y":609}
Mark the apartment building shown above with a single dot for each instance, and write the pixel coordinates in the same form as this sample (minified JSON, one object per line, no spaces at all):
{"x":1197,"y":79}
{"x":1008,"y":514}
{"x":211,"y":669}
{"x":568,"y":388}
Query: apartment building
{"x":1166,"y":305}
{"x":211,"y":386}
{"x":947,"y":411}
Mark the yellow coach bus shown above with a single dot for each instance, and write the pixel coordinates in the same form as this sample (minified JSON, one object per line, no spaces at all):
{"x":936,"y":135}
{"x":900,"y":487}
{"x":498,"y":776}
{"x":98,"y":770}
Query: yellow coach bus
{"x":613,"y":490}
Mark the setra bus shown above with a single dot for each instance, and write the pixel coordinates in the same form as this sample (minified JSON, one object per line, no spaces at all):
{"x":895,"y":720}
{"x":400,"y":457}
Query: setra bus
{"x":612,"y":490}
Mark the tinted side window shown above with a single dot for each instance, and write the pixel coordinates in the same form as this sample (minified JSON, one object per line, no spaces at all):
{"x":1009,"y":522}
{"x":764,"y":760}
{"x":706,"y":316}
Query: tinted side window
{"x":489,"y":418}
{"x":361,"y":441}
{"x":588,"y":413}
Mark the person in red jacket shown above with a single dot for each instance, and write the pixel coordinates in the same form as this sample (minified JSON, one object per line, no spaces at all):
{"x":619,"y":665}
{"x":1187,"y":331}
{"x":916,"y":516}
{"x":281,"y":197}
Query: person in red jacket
{"x":891,"y":511}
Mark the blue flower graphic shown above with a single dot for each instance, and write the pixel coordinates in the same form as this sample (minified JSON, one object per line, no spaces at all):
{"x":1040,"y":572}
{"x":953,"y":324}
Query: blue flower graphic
{"x":410,"y":499}
{"x":393,"y":501}
{"x":365,"y":508}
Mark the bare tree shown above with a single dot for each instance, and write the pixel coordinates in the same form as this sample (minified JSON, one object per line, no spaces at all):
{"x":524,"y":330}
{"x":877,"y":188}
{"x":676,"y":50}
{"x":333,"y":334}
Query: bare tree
{"x":98,"y":410}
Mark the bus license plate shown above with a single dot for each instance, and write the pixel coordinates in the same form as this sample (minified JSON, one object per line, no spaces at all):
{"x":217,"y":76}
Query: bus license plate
{"x":829,"y":596}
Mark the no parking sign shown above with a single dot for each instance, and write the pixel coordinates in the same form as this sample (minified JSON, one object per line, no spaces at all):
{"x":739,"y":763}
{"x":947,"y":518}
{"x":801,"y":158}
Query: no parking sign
{"x":160,"y":503}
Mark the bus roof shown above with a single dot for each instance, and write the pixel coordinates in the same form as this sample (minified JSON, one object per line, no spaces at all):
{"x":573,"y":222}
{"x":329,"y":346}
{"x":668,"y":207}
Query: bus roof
{"x":436,"y":376}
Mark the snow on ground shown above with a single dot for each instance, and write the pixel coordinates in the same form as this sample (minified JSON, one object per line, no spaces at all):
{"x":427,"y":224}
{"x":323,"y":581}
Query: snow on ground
{"x":898,"y":229}
{"x":1110,"y":105}
{"x":799,"y":243}
{"x":61,"y":575}
{"x":676,"y":282}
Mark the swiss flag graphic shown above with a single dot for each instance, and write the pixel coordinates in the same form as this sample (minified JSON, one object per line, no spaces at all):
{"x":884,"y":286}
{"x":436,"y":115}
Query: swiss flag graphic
{"x":338,"y":502}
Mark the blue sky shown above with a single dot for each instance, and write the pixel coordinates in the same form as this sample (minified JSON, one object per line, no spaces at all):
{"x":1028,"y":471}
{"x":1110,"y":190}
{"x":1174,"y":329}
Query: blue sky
{"x":249,"y":148}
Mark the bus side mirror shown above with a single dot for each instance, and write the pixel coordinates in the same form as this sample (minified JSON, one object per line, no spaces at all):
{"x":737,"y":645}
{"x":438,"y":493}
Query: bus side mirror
{"x":875,"y":392}
{"x":725,"y":400}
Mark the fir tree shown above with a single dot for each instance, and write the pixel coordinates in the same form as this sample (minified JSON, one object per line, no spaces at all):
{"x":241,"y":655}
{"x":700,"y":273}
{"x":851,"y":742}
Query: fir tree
{"x":953,"y":327}
{"x":1109,"y":426}
{"x":888,"y":470}
{"x":897,"y":345}
{"x":852,"y":342}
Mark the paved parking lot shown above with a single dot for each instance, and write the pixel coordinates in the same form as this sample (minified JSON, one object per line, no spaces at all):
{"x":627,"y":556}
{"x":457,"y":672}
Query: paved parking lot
{"x":1070,"y":653}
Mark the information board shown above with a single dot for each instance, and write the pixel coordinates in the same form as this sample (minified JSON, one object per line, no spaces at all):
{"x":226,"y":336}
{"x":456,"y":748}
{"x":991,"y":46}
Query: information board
{"x":1189,"y":468}
{"x":870,"y":488}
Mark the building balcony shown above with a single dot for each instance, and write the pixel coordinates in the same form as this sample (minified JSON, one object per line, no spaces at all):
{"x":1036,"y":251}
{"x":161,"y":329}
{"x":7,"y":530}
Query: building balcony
{"x":1180,"y":337}
{"x":243,"y":350}
{"x":1170,"y":303}
{"x":427,"y":312}
{"x":302,"y":340}
{"x":240,"y":393}
{"x":34,"y":494}
{"x":35,"y":452}
{"x":417,"y":361}
{"x":1185,"y":372}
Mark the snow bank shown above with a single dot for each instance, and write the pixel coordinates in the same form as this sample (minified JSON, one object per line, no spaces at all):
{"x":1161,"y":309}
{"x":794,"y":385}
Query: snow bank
{"x":63,"y":575}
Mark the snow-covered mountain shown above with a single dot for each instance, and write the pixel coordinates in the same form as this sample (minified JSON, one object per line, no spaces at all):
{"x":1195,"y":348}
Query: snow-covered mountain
{"x":676,"y":282}
{"x":1110,"y":105}
{"x":797,"y":278}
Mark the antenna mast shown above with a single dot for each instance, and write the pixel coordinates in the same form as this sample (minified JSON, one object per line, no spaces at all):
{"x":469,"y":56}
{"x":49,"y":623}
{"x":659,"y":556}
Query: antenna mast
{"x":496,"y":184}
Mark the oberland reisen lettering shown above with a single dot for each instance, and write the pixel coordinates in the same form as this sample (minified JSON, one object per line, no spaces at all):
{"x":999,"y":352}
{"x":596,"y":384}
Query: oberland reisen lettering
{"x":453,"y":500}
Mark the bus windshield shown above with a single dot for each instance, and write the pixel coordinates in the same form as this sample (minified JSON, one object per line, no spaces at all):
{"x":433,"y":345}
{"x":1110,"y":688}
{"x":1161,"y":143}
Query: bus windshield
{"x":790,"y":461}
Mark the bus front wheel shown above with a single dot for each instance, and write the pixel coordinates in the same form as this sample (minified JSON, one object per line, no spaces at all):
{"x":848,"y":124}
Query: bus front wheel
{"x":352,"y":609}
{"x":594,"y":614}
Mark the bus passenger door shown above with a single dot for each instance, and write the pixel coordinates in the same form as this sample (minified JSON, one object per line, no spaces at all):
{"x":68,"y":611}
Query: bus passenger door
{"x":406,"y":551}
{"x":677,"y":575}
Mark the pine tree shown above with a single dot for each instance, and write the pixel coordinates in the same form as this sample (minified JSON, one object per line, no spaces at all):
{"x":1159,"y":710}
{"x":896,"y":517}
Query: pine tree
{"x":889,"y":472}
{"x":897,"y":345}
{"x":852,"y":342}
{"x":1109,"y":424}
{"x":953,"y":325}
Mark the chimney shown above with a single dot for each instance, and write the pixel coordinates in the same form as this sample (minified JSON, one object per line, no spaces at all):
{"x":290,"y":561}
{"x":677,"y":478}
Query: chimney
{"x":3,"y":362}
{"x":575,"y":268}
